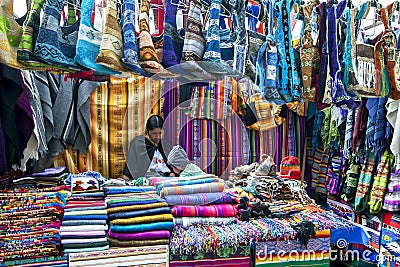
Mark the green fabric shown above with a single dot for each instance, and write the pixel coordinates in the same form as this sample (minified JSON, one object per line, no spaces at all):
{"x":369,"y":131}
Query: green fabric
{"x":85,"y":245}
{"x":191,"y":170}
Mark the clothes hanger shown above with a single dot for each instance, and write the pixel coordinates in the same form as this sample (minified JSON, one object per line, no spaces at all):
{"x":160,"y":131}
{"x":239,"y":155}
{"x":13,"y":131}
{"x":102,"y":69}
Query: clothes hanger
{"x":180,"y":3}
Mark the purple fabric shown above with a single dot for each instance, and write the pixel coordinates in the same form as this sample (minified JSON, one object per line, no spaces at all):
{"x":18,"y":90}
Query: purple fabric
{"x":151,"y":235}
{"x":23,"y":114}
{"x":50,"y":172}
{"x":339,"y":94}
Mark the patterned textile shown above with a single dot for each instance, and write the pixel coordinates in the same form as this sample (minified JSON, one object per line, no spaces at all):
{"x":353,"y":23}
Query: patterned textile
{"x":221,"y":210}
{"x":128,"y":189}
{"x":380,"y":182}
{"x":26,"y":47}
{"x":142,"y":227}
{"x":194,"y":42}
{"x":137,"y":213}
{"x":148,"y":58}
{"x":144,"y":219}
{"x":150,"y":256}
{"x":52,"y":45}
{"x":131,"y":47}
{"x":162,"y":234}
{"x":163,"y":185}
{"x":133,"y":207}
{"x":188,"y":221}
{"x":30,"y":232}
{"x":392,"y":197}
{"x":192,"y":189}
{"x":199,"y":199}
{"x":10,"y":35}
{"x":89,"y":40}
{"x":111,"y":46}
{"x":364,"y":182}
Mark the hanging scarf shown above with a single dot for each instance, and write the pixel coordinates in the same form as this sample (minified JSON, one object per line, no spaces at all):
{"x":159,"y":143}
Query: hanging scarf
{"x":381,"y":126}
{"x":360,"y":125}
{"x":372,"y":106}
{"x":317,"y":140}
{"x":348,"y":138}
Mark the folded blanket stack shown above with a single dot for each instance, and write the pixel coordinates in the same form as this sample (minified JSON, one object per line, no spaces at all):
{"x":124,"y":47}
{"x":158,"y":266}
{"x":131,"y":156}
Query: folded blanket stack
{"x":84,"y":223}
{"x":138,"y":217}
{"x":30,"y":228}
{"x":51,"y":177}
{"x":202,"y":197}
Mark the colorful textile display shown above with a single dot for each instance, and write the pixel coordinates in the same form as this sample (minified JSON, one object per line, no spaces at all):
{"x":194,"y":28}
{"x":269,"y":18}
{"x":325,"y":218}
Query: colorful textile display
{"x":137,"y":217}
{"x":193,"y":189}
{"x":31,"y":233}
{"x":221,"y":210}
{"x":199,"y":199}
{"x":84,"y":223}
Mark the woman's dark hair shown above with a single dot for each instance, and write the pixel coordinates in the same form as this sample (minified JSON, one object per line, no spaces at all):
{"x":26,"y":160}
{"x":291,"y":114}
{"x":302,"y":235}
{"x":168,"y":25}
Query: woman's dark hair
{"x":155,"y":121}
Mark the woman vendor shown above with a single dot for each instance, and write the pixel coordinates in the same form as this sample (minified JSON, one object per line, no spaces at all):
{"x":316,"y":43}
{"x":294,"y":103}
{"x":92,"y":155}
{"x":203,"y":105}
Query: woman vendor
{"x":148,"y":152}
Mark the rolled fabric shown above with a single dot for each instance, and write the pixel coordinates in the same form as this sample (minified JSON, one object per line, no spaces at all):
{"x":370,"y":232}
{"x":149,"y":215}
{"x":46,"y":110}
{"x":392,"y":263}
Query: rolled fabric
{"x":137,"y":213}
{"x":144,"y":219}
{"x":188,"y":182}
{"x":221,"y":210}
{"x":83,"y":228}
{"x":137,"y":243}
{"x":84,"y":222}
{"x":85,"y":217}
{"x":192,"y":189}
{"x":128,"y":189}
{"x":141,"y":227}
{"x":140,"y":202}
{"x":86,"y":212}
{"x":162,"y":234}
{"x":159,"y":181}
{"x":137,"y":207}
{"x":85,"y":245}
{"x":200,"y":199}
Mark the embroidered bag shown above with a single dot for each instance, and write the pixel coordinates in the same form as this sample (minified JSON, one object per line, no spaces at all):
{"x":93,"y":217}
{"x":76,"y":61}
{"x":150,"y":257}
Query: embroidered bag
{"x":89,"y":39}
{"x":254,"y":39}
{"x":212,"y":59}
{"x":194,"y":41}
{"x":26,"y":47}
{"x":131,"y":46}
{"x":387,"y":56}
{"x":10,"y":34}
{"x":173,"y":41}
{"x":361,"y":73}
{"x":55,"y":44}
{"x":112,"y":46}
{"x":309,"y":55}
{"x":148,"y":58}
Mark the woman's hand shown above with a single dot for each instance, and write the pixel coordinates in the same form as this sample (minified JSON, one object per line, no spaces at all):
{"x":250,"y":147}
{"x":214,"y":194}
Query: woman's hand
{"x":172,"y":174}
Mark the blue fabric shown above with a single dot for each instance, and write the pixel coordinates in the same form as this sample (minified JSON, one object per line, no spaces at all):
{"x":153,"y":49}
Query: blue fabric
{"x":142,"y":227}
{"x":130,"y":189}
{"x":113,"y":205}
{"x":89,"y":39}
{"x":85,"y":217}
{"x":173,"y":40}
{"x":131,"y":46}
{"x":55,"y":44}
{"x":352,"y":235}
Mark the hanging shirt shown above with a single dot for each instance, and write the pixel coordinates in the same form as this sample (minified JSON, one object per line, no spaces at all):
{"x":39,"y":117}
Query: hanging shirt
{"x":158,"y":163}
